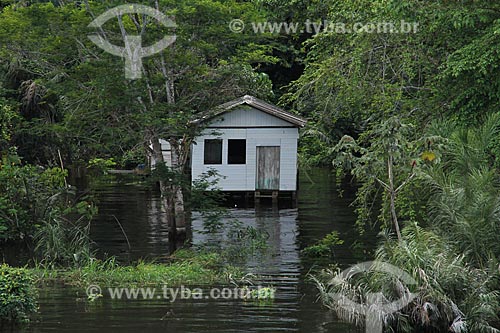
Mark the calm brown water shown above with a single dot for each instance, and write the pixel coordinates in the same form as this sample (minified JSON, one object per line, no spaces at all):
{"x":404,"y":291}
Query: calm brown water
{"x":320,"y":210}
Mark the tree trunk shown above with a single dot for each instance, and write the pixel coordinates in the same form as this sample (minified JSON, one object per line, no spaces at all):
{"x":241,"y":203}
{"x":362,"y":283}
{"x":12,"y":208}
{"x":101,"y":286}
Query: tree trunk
{"x":178,"y":196}
{"x":166,"y":190}
{"x":392,"y":193}
{"x":171,"y":192}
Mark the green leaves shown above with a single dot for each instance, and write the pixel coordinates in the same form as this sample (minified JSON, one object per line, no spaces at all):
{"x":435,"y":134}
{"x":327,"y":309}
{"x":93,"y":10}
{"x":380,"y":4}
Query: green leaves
{"x":324,"y":247}
{"x":36,"y":204}
{"x":17,"y":295}
{"x":23,"y":192}
{"x":75,"y":98}
{"x":8,"y":119}
{"x":465,"y":203}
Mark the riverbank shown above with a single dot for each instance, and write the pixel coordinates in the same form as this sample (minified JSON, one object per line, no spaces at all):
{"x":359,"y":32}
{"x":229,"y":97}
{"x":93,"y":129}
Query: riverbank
{"x":64,"y":307}
{"x":186,"y":267}
{"x":21,"y":286}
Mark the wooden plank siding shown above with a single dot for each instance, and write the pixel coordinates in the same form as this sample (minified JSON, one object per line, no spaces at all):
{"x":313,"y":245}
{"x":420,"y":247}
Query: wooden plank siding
{"x":268,"y":168}
{"x":259,"y":129}
{"x":261,"y":125}
{"x":245,"y":117}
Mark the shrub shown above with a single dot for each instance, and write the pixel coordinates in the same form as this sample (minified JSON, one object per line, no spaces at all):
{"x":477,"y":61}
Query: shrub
{"x":450,"y":295}
{"x":17,"y":294}
{"x":36,"y":203}
{"x":324,"y":247}
{"x":27,"y":196}
{"x":101,"y":165}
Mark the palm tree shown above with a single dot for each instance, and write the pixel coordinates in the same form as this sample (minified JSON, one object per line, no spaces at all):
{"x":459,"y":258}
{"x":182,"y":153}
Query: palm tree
{"x":464,"y":206}
{"x":454,"y":260}
{"x":450,"y":295}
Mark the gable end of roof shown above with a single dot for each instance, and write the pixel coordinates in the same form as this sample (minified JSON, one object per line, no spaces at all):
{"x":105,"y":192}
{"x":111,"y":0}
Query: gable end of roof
{"x":259,"y":105}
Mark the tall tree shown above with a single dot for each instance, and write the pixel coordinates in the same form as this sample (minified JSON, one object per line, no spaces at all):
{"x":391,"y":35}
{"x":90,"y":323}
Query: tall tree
{"x":446,"y":65}
{"x":104,"y":113}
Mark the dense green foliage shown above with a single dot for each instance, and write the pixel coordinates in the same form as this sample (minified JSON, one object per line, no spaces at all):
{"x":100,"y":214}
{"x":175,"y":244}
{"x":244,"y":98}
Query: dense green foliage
{"x":324,"y":247}
{"x":66,"y":103}
{"x":73,"y":96}
{"x":413,"y":117}
{"x":26,"y":198}
{"x":450,"y":294}
{"x":36,"y":206}
{"x":416,"y":119}
{"x":464,"y":194}
{"x":17,"y":294}
{"x":352,"y":81}
{"x":449,"y":240}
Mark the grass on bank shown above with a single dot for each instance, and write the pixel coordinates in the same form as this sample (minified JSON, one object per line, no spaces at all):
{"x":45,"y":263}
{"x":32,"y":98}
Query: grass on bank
{"x":18,"y":286}
{"x":186,"y":268}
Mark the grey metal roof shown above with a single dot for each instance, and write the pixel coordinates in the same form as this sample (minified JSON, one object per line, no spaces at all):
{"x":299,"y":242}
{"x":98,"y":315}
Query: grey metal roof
{"x":257,"y":104}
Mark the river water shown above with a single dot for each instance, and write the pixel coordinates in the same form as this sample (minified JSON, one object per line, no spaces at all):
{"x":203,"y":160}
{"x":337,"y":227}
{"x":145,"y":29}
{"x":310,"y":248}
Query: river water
{"x":130,"y":226}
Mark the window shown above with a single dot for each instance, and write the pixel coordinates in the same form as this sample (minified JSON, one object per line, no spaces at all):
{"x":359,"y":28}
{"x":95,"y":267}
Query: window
{"x":237,"y":152}
{"x":213,"y":151}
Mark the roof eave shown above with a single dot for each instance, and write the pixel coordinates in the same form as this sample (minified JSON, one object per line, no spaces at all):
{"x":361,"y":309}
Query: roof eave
{"x":257,"y":104}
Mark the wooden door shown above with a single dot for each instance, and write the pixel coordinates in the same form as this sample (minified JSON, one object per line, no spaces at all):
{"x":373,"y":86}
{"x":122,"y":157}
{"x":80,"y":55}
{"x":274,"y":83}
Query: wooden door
{"x":268,"y":168}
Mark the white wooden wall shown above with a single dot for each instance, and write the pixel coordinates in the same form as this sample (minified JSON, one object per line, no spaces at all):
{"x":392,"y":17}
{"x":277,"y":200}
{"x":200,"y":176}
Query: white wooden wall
{"x":242,"y":177}
{"x":246,"y":116}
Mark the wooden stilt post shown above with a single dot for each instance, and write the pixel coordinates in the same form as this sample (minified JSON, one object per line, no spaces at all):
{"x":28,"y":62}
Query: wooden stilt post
{"x":275,"y":196}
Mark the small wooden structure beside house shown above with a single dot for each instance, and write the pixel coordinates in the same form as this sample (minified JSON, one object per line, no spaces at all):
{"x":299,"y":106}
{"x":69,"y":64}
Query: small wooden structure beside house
{"x":252,"y":144}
